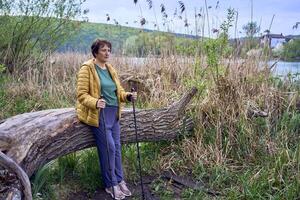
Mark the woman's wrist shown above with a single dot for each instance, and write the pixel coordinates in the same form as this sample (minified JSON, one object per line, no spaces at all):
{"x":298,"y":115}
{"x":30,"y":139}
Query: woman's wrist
{"x":97,"y":103}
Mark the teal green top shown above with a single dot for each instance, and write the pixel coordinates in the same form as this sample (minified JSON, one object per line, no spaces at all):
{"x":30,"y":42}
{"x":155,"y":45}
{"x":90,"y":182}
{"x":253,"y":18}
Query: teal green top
{"x":108,"y":87}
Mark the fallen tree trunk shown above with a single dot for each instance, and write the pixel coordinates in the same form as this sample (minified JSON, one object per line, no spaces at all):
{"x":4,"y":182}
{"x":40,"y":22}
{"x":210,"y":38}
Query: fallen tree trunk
{"x":34,"y":139}
{"x":18,"y":179}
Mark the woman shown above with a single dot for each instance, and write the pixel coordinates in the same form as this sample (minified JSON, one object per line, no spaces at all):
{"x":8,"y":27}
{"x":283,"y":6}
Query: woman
{"x":98,"y":78}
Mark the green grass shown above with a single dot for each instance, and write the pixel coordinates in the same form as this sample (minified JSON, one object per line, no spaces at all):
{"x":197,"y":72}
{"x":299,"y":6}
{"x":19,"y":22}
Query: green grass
{"x":75,"y":170}
{"x":149,"y":153}
{"x":41,"y":183}
{"x":250,"y":171}
{"x":26,"y":99}
{"x":272,"y":177}
{"x":88,"y":170}
{"x":160,"y":188}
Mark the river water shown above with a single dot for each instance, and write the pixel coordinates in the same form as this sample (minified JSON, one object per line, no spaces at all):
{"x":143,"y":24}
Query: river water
{"x":281,"y":68}
{"x":284,"y":68}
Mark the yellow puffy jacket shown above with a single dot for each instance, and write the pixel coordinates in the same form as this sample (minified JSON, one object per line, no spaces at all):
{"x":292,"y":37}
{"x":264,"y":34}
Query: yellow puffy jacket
{"x":88,"y":93}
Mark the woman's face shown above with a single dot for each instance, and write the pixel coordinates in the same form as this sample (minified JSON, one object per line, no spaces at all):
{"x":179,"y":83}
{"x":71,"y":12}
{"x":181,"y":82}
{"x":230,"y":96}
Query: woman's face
{"x":103,"y":54}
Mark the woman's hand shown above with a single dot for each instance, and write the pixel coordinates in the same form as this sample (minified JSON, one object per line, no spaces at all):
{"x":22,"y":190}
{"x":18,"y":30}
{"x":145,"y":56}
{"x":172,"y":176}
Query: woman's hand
{"x":134,"y":95}
{"x":101,"y":103}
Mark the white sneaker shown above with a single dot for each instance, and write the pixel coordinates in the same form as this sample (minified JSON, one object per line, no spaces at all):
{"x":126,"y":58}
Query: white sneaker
{"x":124,"y":189}
{"x":118,"y":193}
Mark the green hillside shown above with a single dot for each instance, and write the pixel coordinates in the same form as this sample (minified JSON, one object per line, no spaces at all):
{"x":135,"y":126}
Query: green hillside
{"x":88,"y":32}
{"x":122,"y":36}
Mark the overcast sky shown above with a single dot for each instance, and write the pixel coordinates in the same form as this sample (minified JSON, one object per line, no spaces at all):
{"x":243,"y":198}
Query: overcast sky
{"x":287,"y":13}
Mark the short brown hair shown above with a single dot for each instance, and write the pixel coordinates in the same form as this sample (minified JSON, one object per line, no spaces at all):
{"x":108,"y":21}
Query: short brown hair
{"x":99,"y":44}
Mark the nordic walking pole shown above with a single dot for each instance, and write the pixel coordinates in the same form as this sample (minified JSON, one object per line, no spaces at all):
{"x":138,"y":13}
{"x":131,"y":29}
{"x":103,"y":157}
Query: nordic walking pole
{"x":107,"y":148}
{"x":137,"y":146}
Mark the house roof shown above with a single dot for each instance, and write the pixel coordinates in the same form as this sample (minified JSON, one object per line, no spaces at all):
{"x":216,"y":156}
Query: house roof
{"x":272,"y":35}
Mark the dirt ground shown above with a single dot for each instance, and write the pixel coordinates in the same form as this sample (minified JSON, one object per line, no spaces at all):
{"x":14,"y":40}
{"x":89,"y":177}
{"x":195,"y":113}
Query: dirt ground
{"x":171,"y":182}
{"x":100,"y":194}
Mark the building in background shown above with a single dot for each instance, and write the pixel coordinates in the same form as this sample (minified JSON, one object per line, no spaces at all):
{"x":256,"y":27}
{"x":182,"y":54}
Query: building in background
{"x":274,"y":41}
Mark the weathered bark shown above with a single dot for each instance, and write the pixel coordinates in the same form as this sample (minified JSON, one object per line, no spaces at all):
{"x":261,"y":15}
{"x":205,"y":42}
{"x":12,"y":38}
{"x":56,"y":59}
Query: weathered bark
{"x":33,"y":139}
{"x":11,"y":166}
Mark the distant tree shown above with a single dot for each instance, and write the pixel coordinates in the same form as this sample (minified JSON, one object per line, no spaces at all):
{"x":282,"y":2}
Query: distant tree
{"x":296,"y":25}
{"x":31,"y":28}
{"x":251,"y":28}
{"x":144,"y":44}
{"x":291,"y":50}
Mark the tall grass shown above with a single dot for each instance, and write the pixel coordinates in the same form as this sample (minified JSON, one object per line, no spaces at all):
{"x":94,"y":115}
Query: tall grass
{"x":228,"y":148}
{"x":242,"y":156}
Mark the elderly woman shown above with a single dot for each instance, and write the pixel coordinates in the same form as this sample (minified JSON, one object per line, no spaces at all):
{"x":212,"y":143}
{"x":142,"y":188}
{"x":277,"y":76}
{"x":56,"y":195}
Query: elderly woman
{"x":99,"y":92}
